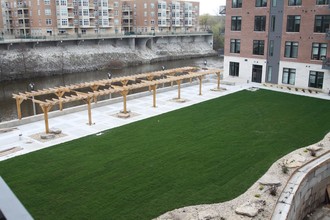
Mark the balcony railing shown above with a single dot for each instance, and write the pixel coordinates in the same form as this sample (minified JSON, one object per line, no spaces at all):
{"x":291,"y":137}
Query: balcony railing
{"x":22,"y":5}
{"x":23,"y":15}
{"x":125,"y":8}
{"x":222,"y":10}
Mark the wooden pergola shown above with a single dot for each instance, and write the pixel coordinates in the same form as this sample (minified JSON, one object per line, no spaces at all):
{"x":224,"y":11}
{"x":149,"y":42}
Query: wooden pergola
{"x":122,"y":85}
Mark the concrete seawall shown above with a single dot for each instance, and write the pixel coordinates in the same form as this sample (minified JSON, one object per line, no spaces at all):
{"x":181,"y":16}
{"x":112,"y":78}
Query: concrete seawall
{"x":44,"y":57}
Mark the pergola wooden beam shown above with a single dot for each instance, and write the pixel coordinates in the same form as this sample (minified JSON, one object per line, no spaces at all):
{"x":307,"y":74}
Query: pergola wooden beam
{"x":74,"y":95}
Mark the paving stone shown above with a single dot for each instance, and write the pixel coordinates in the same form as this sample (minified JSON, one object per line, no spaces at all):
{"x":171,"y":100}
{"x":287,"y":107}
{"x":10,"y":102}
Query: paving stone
{"x":55,"y":131}
{"x":47,"y":136}
{"x":314,"y":147}
{"x":269,"y":180}
{"x":247,"y":209}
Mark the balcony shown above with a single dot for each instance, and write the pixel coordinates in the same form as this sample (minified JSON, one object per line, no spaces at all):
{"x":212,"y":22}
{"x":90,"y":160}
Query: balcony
{"x":22,"y":6}
{"x":126,"y":9}
{"x":70,"y":15}
{"x":22,"y":16}
{"x":124,"y":24}
{"x":26,"y":25}
{"x":126,"y":17}
{"x":326,"y":64}
{"x":70,"y":5}
{"x":222,"y":10}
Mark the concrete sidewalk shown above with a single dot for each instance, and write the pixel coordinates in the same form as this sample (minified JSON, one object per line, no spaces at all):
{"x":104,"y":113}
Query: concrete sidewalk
{"x":23,"y":139}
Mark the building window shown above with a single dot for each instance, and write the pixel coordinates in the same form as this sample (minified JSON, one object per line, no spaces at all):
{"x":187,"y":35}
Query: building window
{"x":48,"y":11}
{"x":258,"y":47}
{"x":274,"y":3}
{"x":259,"y":23}
{"x":48,"y":21}
{"x":261,"y":3}
{"x":289,"y":76}
{"x":47,"y":2}
{"x":316,"y":79}
{"x":64,"y":22}
{"x":236,"y":23}
{"x":294,"y":2}
{"x":291,"y":49}
{"x":321,"y":23}
{"x":272,"y":23}
{"x":234,"y":69}
{"x":235,"y":46}
{"x":269,"y":74}
{"x":293,"y":23}
{"x":236,"y":4}
{"x":322,"y":2}
{"x":271,"y":48}
{"x":319,"y":51}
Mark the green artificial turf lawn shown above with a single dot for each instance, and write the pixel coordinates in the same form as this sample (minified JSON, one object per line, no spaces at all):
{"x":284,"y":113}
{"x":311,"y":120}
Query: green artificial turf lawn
{"x":206,"y":153}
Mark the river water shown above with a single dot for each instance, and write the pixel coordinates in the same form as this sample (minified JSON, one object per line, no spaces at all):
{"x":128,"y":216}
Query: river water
{"x":8,"y":104}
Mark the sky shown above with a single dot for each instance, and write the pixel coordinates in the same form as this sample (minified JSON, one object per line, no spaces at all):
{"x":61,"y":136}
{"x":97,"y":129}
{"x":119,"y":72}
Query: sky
{"x":210,"y":6}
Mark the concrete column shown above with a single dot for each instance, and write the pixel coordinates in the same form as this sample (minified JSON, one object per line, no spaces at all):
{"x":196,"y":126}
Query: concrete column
{"x":131,"y":42}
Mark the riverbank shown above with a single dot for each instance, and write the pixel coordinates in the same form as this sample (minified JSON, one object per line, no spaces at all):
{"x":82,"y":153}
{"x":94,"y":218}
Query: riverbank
{"x":24,"y":63}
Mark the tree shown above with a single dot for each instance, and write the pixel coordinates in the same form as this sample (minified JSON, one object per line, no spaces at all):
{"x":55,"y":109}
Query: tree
{"x":216,"y":24}
{"x":218,"y":29}
{"x":204,"y":21}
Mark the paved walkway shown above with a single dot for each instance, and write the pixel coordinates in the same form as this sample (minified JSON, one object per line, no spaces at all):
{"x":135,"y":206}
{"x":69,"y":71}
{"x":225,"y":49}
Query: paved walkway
{"x":74,"y":125}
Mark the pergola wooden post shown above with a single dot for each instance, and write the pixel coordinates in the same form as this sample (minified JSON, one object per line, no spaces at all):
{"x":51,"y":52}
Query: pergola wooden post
{"x":154,"y":87}
{"x":179,"y":88}
{"x":172,"y":74}
{"x":124,"y":94}
{"x":19,"y":101}
{"x":218,"y":86}
{"x":60,"y":95}
{"x":150,"y":78}
{"x":95,"y":88}
{"x":46,"y":109}
{"x":88,"y":100}
{"x":200,"y":84}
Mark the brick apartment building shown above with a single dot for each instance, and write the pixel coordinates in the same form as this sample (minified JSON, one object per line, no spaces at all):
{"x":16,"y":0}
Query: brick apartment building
{"x":56,"y":17}
{"x":282,"y":42}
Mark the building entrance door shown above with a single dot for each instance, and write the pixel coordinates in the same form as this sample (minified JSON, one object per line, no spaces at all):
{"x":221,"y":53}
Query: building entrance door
{"x":256,"y":73}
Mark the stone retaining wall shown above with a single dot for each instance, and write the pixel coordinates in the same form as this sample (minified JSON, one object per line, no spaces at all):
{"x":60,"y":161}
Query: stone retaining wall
{"x":305,"y":191}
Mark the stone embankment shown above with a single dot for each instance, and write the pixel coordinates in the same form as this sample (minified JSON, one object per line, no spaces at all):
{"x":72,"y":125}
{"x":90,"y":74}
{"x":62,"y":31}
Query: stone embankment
{"x":44,"y":61}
